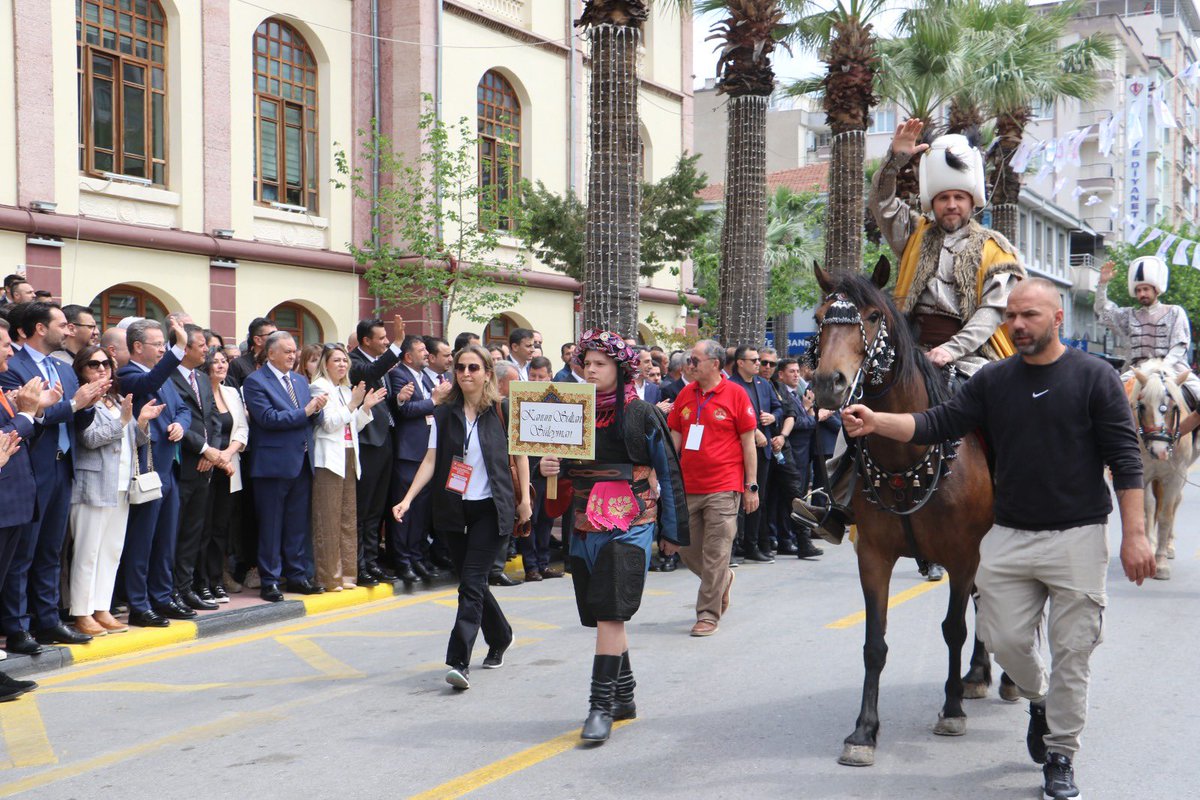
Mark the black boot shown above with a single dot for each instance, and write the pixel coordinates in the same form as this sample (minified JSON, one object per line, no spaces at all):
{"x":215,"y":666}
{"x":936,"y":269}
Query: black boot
{"x":598,"y":724}
{"x":623,"y":705}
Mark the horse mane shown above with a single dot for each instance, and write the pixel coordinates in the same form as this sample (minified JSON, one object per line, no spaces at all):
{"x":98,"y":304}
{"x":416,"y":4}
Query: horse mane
{"x":1149,"y":367}
{"x":911,"y":364}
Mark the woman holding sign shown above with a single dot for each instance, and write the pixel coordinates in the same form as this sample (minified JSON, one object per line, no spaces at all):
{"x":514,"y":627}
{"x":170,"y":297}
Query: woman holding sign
{"x":633,"y":484}
{"x":473,"y":493}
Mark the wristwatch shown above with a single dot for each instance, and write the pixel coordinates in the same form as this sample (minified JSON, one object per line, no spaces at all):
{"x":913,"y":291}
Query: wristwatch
{"x":752,"y":488}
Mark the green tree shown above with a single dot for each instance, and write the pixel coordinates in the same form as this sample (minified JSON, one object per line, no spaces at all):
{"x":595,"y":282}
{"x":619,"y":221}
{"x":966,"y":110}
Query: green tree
{"x":553,"y":226}
{"x":1182,"y":290}
{"x":438,"y":231}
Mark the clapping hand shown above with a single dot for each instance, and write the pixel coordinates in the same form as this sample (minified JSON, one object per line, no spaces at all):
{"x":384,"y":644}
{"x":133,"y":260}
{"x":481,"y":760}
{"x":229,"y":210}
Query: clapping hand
{"x":357,"y":394}
{"x":372,"y":399}
{"x":28,"y":399}
{"x":405,"y":394}
{"x":50,"y":395}
{"x":126,"y":409}
{"x":441,"y":390}
{"x":149,"y":411}
{"x":10,"y":443}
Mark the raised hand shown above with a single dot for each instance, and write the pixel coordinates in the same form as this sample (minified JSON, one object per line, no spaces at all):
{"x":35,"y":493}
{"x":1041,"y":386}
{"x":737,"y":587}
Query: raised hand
{"x":905,"y":142}
{"x":1106,"y":271}
{"x":90,"y":392}
{"x":397,"y":328}
{"x":126,"y":409}
{"x":150,"y":411}
{"x":178,"y":334}
{"x":357,"y":394}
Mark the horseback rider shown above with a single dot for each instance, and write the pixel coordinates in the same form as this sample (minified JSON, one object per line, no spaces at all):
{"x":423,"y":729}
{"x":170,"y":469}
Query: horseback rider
{"x":1155,"y":330}
{"x":954,"y":281}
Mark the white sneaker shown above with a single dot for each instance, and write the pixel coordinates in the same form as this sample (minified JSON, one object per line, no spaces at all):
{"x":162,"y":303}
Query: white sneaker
{"x":458,"y":678}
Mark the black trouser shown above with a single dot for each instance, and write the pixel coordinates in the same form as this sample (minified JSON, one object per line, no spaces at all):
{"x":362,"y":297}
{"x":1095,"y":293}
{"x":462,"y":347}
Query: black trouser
{"x":501,"y":556}
{"x":193,"y":528}
{"x":535,"y":548}
{"x":473,"y":552}
{"x":372,"y":497}
{"x":245,"y":526}
{"x":752,"y":528}
{"x":786,"y":485}
{"x":210,"y":569}
{"x":406,"y":538}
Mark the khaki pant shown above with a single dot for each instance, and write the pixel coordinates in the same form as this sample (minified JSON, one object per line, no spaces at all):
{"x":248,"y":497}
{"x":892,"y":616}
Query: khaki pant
{"x":335,"y":525}
{"x":1018,"y":572}
{"x":712,"y":522}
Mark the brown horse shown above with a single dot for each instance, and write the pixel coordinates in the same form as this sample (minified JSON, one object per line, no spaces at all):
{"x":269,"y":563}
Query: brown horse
{"x":908,"y":501}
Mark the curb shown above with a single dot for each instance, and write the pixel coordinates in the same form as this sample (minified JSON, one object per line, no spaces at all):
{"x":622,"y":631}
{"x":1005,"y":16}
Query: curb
{"x":208,"y":624}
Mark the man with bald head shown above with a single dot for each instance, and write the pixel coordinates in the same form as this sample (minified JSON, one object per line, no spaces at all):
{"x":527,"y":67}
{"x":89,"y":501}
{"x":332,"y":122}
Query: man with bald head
{"x":1056,"y":417}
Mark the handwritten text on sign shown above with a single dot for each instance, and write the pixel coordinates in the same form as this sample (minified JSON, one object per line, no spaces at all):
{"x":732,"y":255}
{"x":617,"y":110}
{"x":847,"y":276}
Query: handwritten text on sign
{"x":552,"y":423}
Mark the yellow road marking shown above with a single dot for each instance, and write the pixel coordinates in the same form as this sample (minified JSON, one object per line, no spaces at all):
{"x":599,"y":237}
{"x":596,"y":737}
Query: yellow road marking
{"x":25,"y":734}
{"x":859,"y":617}
{"x":151,"y":687}
{"x":491,"y":773}
{"x":194,"y":648}
{"x":133,"y":641}
{"x":373,"y":634}
{"x":332,"y":601}
{"x":522,"y":621}
{"x":316,"y":657}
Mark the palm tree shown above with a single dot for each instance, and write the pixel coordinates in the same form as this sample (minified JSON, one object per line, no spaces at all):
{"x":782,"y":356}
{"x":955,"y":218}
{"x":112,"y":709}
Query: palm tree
{"x":843,"y":35}
{"x":1027,"y":65}
{"x":748,"y":34}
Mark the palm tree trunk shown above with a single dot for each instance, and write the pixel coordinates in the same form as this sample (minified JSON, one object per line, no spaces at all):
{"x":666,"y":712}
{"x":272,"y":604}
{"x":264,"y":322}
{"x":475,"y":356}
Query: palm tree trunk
{"x":1006,"y":184}
{"x":743,"y":275}
{"x":610,"y":272}
{"x":846,"y":213}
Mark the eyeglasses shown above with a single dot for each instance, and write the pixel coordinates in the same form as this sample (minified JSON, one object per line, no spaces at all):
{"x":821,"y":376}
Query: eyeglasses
{"x":89,"y":327}
{"x":472,"y":367}
{"x":98,"y":364}
{"x":695,"y":362}
{"x":751,"y":360}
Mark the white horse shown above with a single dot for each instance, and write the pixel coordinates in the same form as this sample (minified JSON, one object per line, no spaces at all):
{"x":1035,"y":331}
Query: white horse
{"x":1158,"y":408}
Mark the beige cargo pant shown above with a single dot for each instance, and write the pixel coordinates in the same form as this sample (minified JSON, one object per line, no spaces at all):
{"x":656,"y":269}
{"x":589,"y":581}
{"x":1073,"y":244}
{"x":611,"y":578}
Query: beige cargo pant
{"x":1018,"y":572}
{"x":712,"y":525}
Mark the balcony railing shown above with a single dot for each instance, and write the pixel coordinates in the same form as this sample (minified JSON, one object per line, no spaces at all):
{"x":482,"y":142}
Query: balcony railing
{"x":514,"y":10}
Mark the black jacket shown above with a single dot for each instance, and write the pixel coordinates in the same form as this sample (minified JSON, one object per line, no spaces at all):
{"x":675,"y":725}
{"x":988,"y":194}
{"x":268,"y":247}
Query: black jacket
{"x":374,"y":375}
{"x":493,"y":441}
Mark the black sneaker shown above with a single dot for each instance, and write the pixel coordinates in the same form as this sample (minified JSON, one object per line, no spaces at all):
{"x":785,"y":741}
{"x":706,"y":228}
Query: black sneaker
{"x":459,"y":678}
{"x":495,"y":658}
{"x":1060,"y":778}
{"x":1035,"y":738}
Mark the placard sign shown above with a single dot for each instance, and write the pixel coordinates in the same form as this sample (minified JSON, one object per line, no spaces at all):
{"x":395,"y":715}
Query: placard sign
{"x":552,"y":419}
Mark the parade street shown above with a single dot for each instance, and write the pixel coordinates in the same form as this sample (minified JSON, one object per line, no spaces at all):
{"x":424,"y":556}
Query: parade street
{"x":352,"y":703}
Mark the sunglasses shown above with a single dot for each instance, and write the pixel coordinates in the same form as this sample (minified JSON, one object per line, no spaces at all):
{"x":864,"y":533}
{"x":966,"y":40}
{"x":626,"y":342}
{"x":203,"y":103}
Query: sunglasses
{"x":769,"y":363}
{"x":472,"y":367}
{"x":695,"y":362}
{"x":98,"y":364}
{"x":751,"y":360}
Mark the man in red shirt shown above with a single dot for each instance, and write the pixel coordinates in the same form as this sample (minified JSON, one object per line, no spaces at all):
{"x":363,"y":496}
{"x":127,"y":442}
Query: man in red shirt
{"x":713,"y":427}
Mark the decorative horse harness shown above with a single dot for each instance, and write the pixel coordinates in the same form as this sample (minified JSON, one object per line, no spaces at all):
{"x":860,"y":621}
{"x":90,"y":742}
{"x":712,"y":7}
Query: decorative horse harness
{"x":907,"y":491}
{"x":1167,"y":433}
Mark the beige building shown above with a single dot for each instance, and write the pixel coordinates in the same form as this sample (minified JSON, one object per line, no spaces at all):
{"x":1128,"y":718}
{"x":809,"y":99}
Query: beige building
{"x":158,"y":155}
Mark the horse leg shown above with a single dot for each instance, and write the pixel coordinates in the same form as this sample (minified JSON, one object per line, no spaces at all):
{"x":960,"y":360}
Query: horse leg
{"x":952,"y":721}
{"x":875,"y":574}
{"x":979,"y":676}
{"x":1150,"y":505}
{"x":1168,"y":505}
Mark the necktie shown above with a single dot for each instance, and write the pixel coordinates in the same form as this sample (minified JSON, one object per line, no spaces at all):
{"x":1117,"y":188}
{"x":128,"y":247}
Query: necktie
{"x":287,"y":381}
{"x":64,"y":438}
{"x":195,"y":388}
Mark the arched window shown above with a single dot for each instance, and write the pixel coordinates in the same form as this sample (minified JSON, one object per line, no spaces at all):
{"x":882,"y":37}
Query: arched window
{"x":498,"y":329}
{"x":121,"y":68}
{"x":499,"y":112}
{"x":114,"y":304}
{"x":297,"y":321}
{"x":285,"y":115}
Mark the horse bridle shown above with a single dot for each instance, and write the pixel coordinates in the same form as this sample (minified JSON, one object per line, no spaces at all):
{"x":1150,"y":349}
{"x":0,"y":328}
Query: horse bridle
{"x":1166,"y":433}
{"x":879,"y":352}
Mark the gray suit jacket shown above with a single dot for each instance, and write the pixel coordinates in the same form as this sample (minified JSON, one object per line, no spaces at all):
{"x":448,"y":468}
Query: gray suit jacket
{"x":97,"y":459}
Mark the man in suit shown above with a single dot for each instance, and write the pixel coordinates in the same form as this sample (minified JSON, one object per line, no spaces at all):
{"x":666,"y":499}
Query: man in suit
{"x":520,"y":349}
{"x":282,"y":415}
{"x":411,"y":440}
{"x":790,"y":476}
{"x":256,"y":337}
{"x":567,"y":351}
{"x":197,"y":460}
{"x":83,"y":332}
{"x":148,"y":560}
{"x":755,"y":533}
{"x":439,"y":359}
{"x":679,"y":362}
{"x":646,"y":389}
{"x":370,"y":363}
{"x":31,"y":588}
{"x":18,"y":489}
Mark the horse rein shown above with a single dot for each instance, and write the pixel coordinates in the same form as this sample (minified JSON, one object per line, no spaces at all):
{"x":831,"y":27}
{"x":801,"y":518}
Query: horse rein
{"x":1166,"y":433}
{"x":878,"y":352}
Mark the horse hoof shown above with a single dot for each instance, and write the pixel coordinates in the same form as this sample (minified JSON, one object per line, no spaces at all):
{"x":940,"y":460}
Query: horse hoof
{"x":857,"y":755}
{"x":1171,"y":552}
{"x":1162,"y":571}
{"x":975,"y":691}
{"x":1008,"y":690}
{"x":950,"y":726}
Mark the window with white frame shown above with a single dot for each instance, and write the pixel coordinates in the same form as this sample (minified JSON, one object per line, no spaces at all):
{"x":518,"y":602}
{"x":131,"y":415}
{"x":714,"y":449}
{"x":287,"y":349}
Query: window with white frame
{"x":883,"y":120}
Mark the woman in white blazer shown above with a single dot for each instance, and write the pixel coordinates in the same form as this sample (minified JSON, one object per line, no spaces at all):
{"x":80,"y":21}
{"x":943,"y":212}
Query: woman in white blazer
{"x":335,"y":457}
{"x":223,"y":497}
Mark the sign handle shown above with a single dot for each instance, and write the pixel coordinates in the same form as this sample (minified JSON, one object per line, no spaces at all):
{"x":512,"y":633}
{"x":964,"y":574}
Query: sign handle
{"x":552,"y":487}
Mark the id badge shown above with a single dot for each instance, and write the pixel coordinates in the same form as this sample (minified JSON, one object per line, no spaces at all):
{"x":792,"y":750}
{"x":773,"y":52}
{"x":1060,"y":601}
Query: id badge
{"x":349,"y":437}
{"x":429,"y":419}
{"x":460,"y":476}
{"x":695,"y":434}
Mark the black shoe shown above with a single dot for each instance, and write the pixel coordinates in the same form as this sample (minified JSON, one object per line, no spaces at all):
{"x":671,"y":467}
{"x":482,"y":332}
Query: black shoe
{"x":441,"y":562}
{"x":270,"y":592}
{"x":671,"y":564}
{"x":10,"y":693}
{"x":23,"y":643}
{"x":423,"y":572}
{"x":304,"y":586}
{"x":1059,"y":777}
{"x":382,"y":574}
{"x":598,"y":725}
{"x":148,"y":619}
{"x":459,"y":678}
{"x":407,"y":575}
{"x":788,"y":549}
{"x":808,"y":550}
{"x":9,"y":684}
{"x":206,"y":594}
{"x":1035,"y":738}
{"x":175,"y":611}
{"x":623,"y":705}
{"x":193,"y":600}
{"x":495,"y":657}
{"x":502,"y":580}
{"x":219,"y":595}
{"x":118,"y":609}
{"x":61,"y":634}
{"x":756,"y":556}
{"x":367,"y":579}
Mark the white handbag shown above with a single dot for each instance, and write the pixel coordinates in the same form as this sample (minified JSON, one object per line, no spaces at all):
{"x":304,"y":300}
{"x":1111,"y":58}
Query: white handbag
{"x":145,"y":486}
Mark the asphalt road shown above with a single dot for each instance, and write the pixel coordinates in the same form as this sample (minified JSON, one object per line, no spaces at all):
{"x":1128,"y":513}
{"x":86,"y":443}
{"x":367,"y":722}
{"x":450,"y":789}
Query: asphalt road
{"x":352,"y":703}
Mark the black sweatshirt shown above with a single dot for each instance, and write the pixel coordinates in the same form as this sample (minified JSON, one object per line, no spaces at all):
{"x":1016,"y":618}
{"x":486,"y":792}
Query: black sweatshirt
{"x":1053,"y":428}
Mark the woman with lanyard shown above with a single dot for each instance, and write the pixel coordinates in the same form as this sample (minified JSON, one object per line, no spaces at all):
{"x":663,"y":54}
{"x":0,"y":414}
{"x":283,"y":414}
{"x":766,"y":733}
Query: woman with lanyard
{"x":335,"y":458}
{"x":473,"y":493}
{"x":633,"y":484}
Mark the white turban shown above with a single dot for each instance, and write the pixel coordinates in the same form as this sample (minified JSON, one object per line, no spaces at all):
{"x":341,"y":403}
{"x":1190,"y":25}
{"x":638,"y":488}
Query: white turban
{"x":1148,"y":269}
{"x":951,"y":163}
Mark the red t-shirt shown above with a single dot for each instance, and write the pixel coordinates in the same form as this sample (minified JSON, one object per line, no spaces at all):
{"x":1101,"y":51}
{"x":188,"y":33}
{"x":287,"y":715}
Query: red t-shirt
{"x":726,"y":414}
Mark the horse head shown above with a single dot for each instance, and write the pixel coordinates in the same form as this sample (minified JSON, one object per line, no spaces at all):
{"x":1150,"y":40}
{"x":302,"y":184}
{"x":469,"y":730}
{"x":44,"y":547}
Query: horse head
{"x":853,"y":345}
{"x":1158,"y":407}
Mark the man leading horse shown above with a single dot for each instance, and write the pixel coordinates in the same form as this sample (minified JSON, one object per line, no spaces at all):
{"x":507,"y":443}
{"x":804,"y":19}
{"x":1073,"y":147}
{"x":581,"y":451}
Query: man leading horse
{"x":954,"y":281}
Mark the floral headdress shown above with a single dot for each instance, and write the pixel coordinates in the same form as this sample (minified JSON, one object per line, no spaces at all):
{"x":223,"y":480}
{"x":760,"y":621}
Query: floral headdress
{"x":610,"y":344}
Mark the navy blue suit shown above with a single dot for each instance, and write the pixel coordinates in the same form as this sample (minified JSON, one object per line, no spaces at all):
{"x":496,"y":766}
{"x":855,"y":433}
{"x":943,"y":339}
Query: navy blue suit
{"x":670,"y":390}
{"x":31,"y":587}
{"x":148,"y":561}
{"x":410,"y":437}
{"x":282,"y":471}
{"x":563,"y":374}
{"x":801,"y":440}
{"x":18,"y":490}
{"x":757,"y":534}
{"x":652,"y":392}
